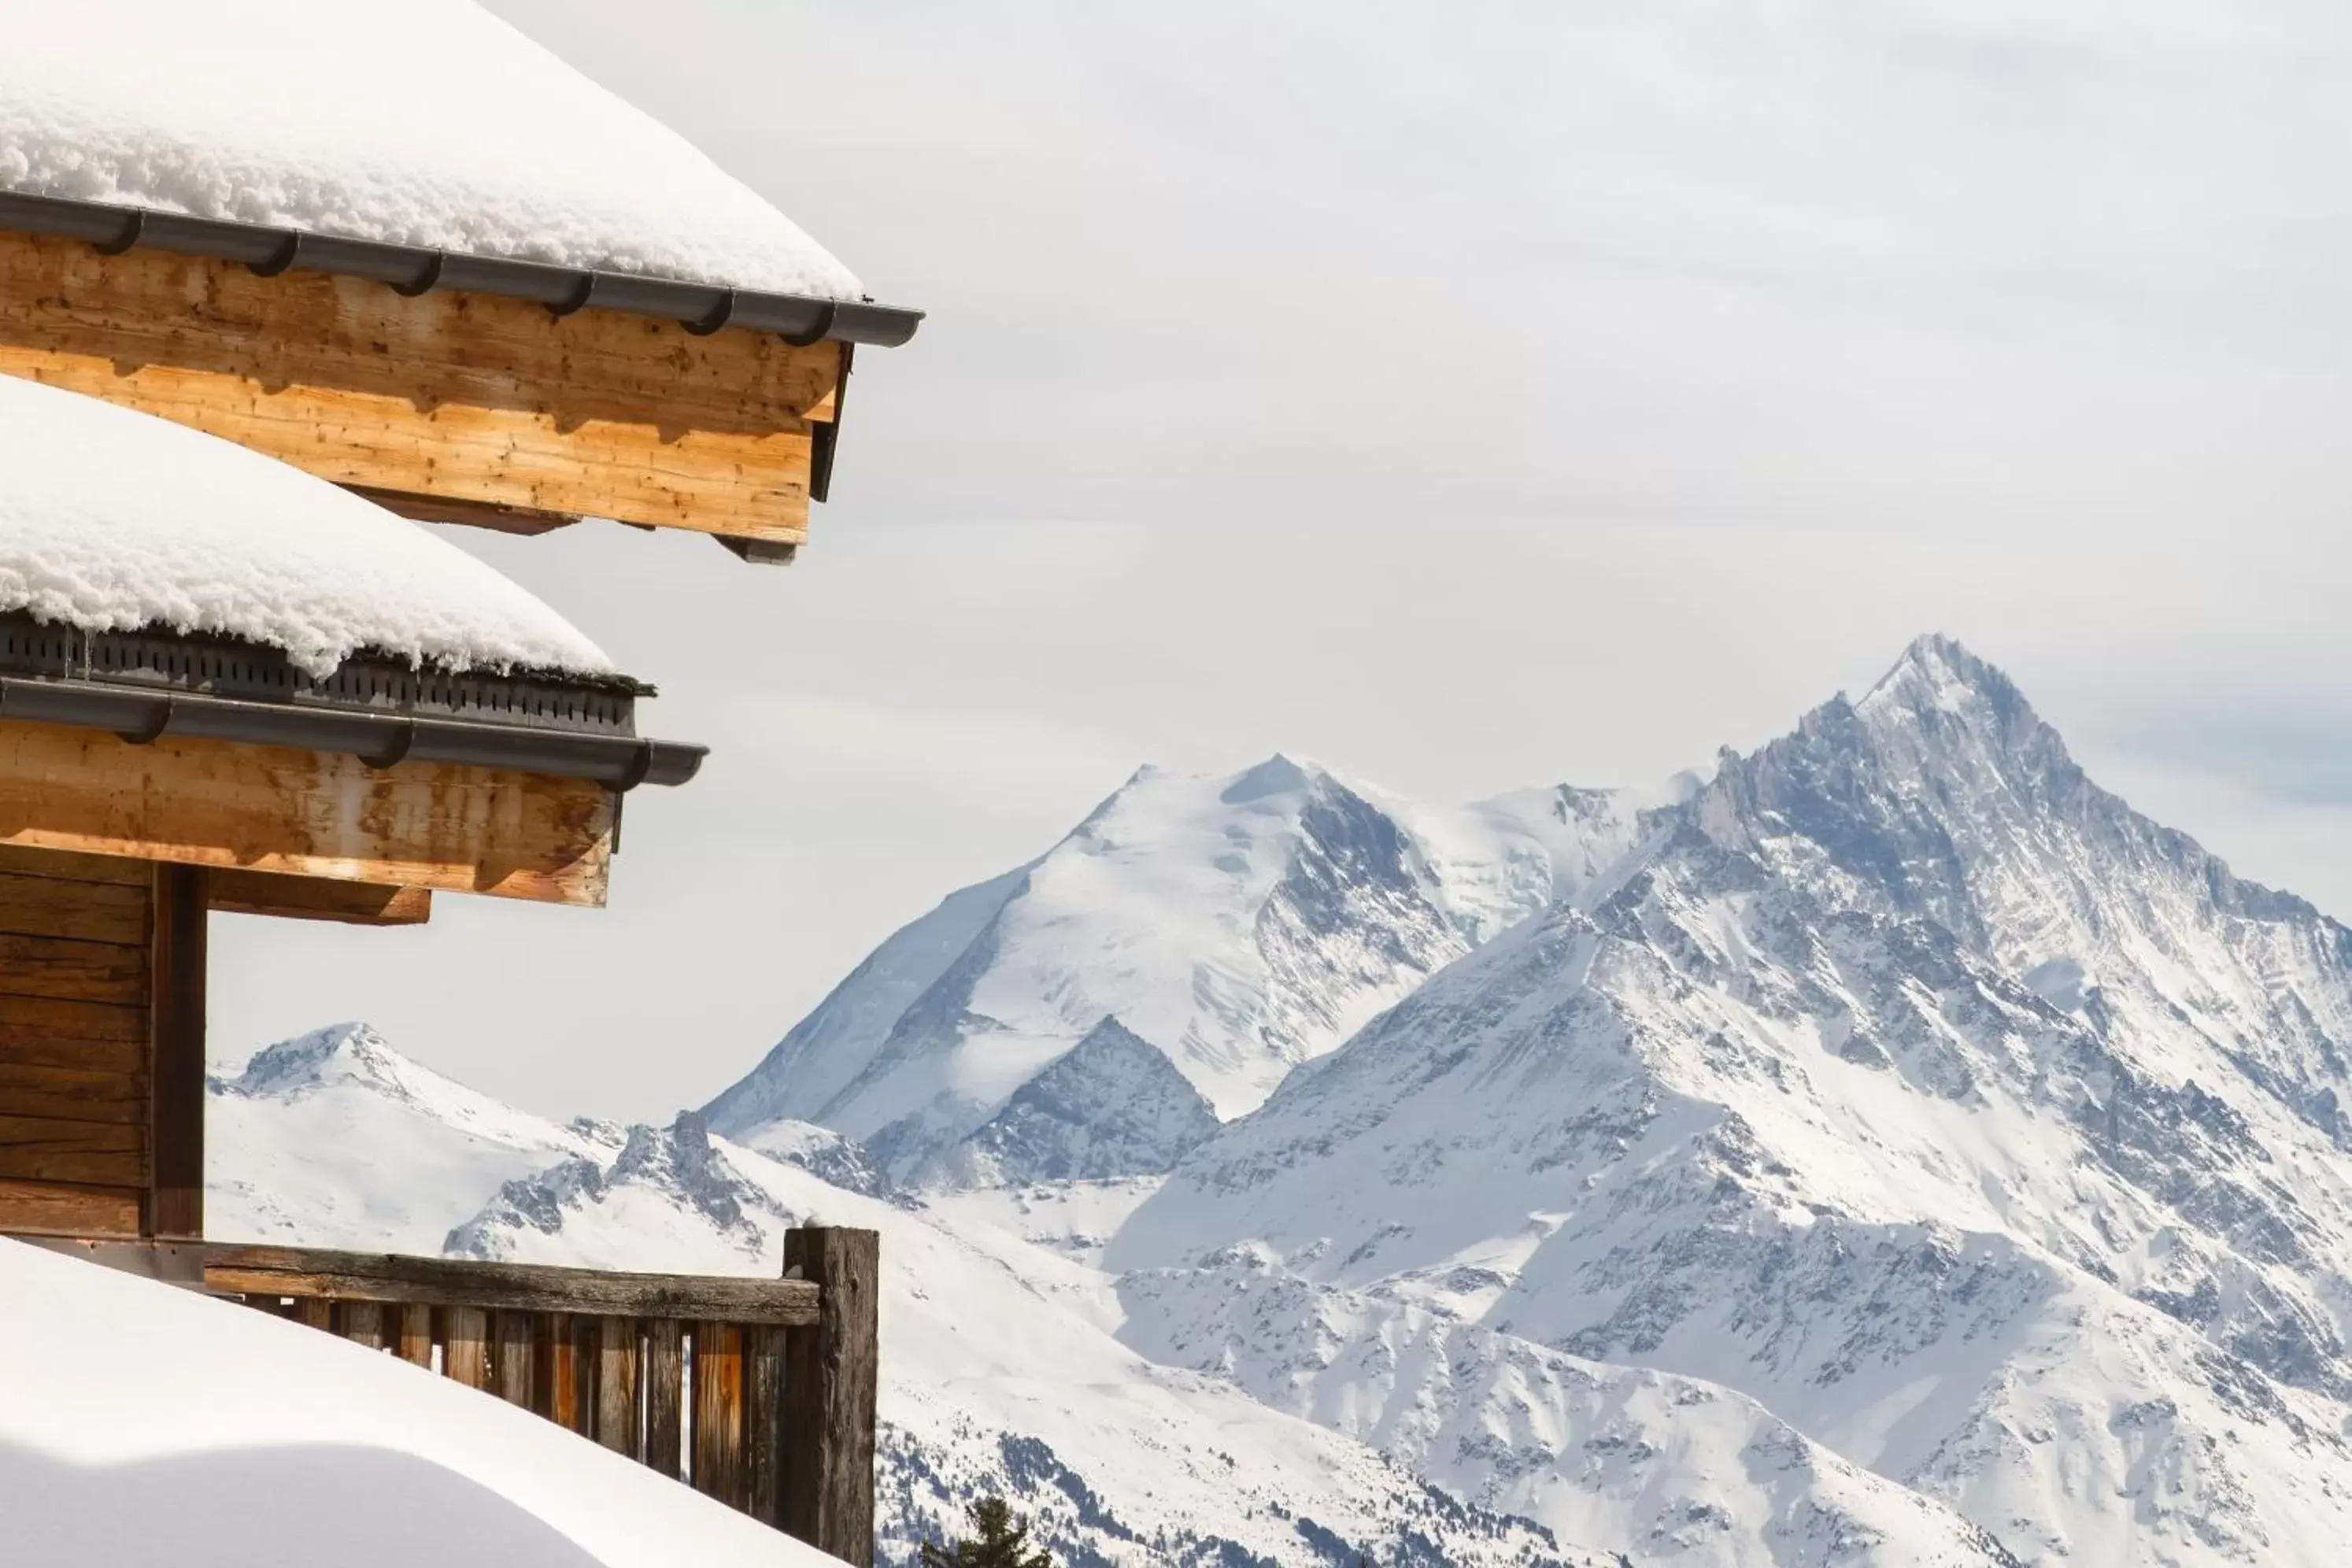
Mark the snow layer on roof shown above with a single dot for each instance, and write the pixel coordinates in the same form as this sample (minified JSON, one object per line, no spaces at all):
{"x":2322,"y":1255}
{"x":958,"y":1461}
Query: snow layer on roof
{"x":113,"y":521}
{"x":430,"y":123}
{"x":209,"y":1435}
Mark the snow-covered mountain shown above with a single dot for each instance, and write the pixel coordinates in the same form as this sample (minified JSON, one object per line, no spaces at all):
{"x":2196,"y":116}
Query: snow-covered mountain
{"x":1904,"y":1081}
{"x":337,"y":1136}
{"x":1242,"y":925}
{"x":1003,"y":1373}
{"x":1893,"y":1151}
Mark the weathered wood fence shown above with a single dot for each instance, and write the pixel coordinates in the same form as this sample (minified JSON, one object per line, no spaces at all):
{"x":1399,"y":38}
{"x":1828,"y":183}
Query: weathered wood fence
{"x":758,"y":1393}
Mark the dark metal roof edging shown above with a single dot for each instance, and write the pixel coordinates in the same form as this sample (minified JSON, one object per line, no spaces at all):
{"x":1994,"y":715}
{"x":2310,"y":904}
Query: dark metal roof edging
{"x":380,"y":739}
{"x":414,"y":269}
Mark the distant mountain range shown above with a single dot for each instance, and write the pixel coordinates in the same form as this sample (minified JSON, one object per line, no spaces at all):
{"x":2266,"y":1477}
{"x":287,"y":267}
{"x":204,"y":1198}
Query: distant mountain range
{"x":1891,"y":1150}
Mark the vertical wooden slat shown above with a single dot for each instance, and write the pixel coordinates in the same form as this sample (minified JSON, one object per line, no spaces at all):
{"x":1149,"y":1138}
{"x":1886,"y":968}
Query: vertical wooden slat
{"x":665,"y":1376}
{"x":719,"y":1412}
{"x":314,"y":1312}
{"x":175,"y":1137}
{"x":466,"y":1352}
{"x":416,"y":1334}
{"x":273,"y":1305}
{"x":362,"y":1323}
{"x":616,"y":1384}
{"x":763,"y":1397}
{"x":560,"y":1371}
{"x":830,"y":1377}
{"x":512,"y":1367}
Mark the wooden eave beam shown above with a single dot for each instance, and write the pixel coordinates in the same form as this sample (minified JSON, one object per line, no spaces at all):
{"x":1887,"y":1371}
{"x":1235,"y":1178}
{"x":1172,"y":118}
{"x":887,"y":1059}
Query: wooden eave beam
{"x":229,"y":890}
{"x":241,"y":892}
{"x":457,"y":406}
{"x":431,"y":826}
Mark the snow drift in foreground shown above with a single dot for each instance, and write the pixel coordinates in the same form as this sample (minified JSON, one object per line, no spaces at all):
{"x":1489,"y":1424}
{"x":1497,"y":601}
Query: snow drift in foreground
{"x":148,"y":1426}
{"x":112,"y":520}
{"x":448,"y":130}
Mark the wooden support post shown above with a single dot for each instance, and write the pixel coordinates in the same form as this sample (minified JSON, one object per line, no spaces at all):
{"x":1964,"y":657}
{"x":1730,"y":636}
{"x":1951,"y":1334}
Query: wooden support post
{"x":665,"y":1374}
{"x":176,"y":1202}
{"x":830,"y":1376}
{"x":616,"y":1384}
{"x":763,"y":1407}
{"x":719,"y":1412}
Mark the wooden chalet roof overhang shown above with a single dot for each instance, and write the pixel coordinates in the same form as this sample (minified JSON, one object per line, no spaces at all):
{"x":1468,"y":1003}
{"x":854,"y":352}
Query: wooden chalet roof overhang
{"x":449,"y":388}
{"x":215,"y":752}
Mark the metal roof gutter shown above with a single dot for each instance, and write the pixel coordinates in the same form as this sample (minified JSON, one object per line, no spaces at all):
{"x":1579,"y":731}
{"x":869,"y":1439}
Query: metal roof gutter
{"x":414,"y":270}
{"x":379,"y":740}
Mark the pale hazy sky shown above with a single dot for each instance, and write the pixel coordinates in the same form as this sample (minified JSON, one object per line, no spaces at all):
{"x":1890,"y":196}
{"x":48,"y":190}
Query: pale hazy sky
{"x":1466,"y":397}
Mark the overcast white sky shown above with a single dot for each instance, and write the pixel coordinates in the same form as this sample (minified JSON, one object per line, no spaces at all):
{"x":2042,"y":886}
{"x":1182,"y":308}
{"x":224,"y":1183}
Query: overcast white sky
{"x":1466,"y":397}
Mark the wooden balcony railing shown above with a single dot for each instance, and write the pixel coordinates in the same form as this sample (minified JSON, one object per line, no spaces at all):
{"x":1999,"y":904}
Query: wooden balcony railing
{"x":758,"y":1393}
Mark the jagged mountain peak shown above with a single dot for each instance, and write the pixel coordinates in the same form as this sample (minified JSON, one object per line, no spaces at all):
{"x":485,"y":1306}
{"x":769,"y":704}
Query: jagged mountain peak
{"x":349,"y":1055}
{"x":1114,"y":1106}
{"x":673,"y":1175}
{"x":1906,"y":1080}
{"x":337,"y":1051}
{"x":1277,"y":775}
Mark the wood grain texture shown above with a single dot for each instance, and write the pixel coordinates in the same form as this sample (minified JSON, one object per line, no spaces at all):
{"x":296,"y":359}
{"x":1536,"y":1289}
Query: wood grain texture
{"x":719,"y":1412}
{"x":57,"y":863}
{"x":362,"y":1323}
{"x":43,"y":1031}
{"x":266,"y":808}
{"x":511,"y":1357}
{"x":458,"y":1282}
{"x":92,"y":1153}
{"x":58,"y":1208}
{"x":763,"y":1401}
{"x":456,"y":397}
{"x":465,"y":1345}
{"x":617,"y":1417}
{"x":564,"y":1374}
{"x":69,"y":971}
{"x":831,"y":1378}
{"x":48,"y":907}
{"x":74,"y":1094}
{"x":415,"y":1342}
{"x":665,"y":1377}
{"x":240,"y":893}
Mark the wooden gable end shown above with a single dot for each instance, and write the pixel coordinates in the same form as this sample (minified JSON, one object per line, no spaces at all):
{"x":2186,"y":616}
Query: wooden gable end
{"x":445,"y":405}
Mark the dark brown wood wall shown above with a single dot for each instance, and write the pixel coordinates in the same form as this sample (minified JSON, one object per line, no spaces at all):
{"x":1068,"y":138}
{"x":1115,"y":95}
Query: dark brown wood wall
{"x":89,"y":948}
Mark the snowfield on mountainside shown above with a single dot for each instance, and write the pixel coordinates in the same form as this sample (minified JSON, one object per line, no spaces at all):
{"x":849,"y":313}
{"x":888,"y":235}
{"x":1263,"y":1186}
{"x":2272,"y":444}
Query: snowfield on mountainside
{"x":1241,"y":925}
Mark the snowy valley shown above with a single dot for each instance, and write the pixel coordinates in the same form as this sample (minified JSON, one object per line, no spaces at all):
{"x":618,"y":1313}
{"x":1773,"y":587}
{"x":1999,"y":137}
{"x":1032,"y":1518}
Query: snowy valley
{"x":1891,"y":1150}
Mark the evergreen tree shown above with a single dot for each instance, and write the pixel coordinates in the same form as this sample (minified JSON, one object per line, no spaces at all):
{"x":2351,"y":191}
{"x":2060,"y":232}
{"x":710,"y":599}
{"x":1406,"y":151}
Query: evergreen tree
{"x":1000,"y":1542}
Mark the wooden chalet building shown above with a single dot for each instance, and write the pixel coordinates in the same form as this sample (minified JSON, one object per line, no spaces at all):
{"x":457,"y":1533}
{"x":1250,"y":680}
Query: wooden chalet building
{"x":231,"y":679}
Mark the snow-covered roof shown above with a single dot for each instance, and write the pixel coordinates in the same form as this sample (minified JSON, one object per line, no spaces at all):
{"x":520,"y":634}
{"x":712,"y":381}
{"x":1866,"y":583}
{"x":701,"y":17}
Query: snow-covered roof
{"x":115,"y":520}
{"x":435,"y":125}
{"x":208,"y":1431}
